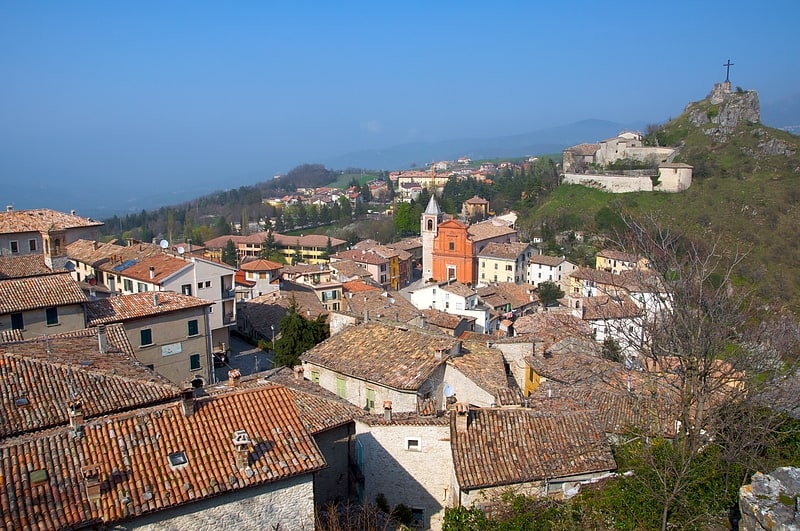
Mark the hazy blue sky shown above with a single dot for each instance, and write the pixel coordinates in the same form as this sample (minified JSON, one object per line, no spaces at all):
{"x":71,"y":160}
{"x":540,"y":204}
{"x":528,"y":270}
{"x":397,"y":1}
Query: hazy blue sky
{"x":124,"y":97}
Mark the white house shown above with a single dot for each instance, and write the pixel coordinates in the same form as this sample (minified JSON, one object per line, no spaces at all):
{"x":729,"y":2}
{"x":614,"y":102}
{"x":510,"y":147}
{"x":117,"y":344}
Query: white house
{"x":543,"y":268}
{"x":452,"y":297}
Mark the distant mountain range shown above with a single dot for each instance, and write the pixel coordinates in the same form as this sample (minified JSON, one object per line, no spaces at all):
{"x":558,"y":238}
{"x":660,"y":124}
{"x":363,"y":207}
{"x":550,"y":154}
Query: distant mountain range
{"x":540,"y":142}
{"x":782,"y":114}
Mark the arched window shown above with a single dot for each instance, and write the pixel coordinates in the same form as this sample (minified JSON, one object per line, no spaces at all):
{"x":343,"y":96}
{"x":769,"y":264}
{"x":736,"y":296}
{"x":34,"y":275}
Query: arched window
{"x":430,"y":224}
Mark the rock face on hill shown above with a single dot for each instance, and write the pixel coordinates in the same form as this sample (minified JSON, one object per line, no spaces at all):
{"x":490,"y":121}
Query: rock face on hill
{"x":771,"y":501}
{"x":724,"y":110}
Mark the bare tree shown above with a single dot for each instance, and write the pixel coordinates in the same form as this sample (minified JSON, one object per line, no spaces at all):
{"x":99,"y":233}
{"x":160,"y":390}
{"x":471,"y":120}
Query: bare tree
{"x":694,"y":339}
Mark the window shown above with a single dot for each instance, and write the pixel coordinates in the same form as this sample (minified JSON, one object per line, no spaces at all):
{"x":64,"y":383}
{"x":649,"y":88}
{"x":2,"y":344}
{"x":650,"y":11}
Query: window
{"x":141,"y":287}
{"x":452,"y":246}
{"x":177,"y":460}
{"x":430,"y":224}
{"x":208,"y":283}
{"x":509,"y":267}
{"x":483,"y":275}
{"x":32,"y":245}
{"x":14,"y":247}
{"x":341,"y":387}
{"x":186,"y":289}
{"x":483,"y":265}
{"x":495,"y":265}
{"x":412,"y":444}
{"x":51,"y":314}
{"x":417,"y":517}
{"x":194,"y":362}
{"x":127,"y":284}
{"x":16,"y":321}
{"x":315,"y":377}
{"x":145,"y":337}
{"x":370,"y":399}
{"x":199,"y":286}
{"x":194,"y":329}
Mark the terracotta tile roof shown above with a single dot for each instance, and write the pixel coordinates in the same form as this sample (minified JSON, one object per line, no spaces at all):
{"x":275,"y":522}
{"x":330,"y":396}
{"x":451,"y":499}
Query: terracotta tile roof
{"x":489,"y":229}
{"x":110,"y":254}
{"x":544,"y":259}
{"x":394,"y":357}
{"x":308,"y":240}
{"x":320,"y":409}
{"x":132,"y":452}
{"x":50,"y":372}
{"x":509,"y":446}
{"x":381,"y":305}
{"x":29,"y":265}
{"x":553,"y":328}
{"x":457,"y":288}
{"x":120,"y":308}
{"x":260,"y":264}
{"x":164,"y":266}
{"x":7,"y":336}
{"x":304,"y":269}
{"x":20,"y":294}
{"x":41,"y":219}
{"x":362,"y":257}
{"x":618,"y":255}
{"x":349,"y":269}
{"x":442,"y":319}
{"x":484,"y":366}
{"x":407,"y":244}
{"x":406,"y":419}
{"x":584,"y":149}
{"x":386,"y":251}
{"x":221,"y":241}
{"x":605,"y":307}
{"x":504,"y":251}
{"x":517,"y":295}
{"x":572,"y":368}
{"x":599,"y":276}
{"x":357,"y":286}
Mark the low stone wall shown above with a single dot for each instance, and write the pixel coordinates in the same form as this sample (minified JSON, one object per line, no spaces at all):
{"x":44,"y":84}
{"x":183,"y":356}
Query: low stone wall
{"x":616,"y":184}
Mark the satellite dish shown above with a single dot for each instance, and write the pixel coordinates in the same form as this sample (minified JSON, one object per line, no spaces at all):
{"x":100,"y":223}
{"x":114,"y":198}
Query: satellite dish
{"x":164,"y":244}
{"x":181,"y":250}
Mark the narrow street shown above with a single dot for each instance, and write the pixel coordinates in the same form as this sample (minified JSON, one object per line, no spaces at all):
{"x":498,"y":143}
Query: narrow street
{"x":247,"y":358}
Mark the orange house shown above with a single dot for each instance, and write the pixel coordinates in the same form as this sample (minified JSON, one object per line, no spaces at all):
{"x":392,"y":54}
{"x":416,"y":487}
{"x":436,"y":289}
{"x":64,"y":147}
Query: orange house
{"x":453,"y":256}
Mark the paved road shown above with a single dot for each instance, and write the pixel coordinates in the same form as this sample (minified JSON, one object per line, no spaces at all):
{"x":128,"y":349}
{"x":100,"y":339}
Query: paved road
{"x":245,"y":357}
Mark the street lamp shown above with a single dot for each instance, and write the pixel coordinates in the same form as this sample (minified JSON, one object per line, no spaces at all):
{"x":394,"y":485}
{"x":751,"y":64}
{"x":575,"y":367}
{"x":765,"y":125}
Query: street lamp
{"x":272,"y":326}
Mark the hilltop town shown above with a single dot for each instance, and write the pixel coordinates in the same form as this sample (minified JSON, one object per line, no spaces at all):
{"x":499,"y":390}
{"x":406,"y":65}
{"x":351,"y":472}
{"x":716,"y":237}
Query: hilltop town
{"x":456,"y":367}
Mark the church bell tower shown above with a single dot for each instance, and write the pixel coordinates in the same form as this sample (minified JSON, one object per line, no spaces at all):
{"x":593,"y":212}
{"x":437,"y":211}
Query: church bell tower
{"x":428,"y":229}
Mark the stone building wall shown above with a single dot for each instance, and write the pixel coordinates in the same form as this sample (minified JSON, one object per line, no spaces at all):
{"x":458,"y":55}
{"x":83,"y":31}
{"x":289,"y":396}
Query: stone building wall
{"x":287,"y":504}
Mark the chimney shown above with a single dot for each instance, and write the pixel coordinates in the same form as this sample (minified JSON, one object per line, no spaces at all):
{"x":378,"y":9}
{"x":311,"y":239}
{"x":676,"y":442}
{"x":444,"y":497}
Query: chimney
{"x":9,"y":208}
{"x":462,"y":417}
{"x":422,"y":323}
{"x":76,"y":418}
{"x":187,"y":400}
{"x":298,"y":372}
{"x":387,"y":410}
{"x":241,"y":445}
{"x":102,"y":339}
{"x":440,"y":354}
{"x":234,"y":375}
{"x":155,"y":298}
{"x":152,"y":272}
{"x":91,"y":480}
{"x":92,"y":293}
{"x":366,"y":313}
{"x":72,"y":212}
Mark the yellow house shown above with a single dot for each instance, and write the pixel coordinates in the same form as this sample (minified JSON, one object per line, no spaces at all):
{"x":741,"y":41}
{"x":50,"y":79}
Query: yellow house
{"x":617,"y":261}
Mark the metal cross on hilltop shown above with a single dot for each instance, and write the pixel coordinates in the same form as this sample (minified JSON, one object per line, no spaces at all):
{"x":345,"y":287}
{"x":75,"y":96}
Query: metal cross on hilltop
{"x":728,"y":66}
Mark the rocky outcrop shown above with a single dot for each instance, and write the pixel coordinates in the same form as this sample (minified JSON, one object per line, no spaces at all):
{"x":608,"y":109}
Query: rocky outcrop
{"x":770,"y":501}
{"x":725,"y":110}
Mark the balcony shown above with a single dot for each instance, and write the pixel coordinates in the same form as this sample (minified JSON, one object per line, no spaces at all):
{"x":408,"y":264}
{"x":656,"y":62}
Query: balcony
{"x":228,"y":319}
{"x":227,"y":293}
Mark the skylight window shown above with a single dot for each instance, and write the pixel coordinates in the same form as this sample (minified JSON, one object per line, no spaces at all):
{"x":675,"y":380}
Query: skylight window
{"x":21,"y":401}
{"x":177,"y":460}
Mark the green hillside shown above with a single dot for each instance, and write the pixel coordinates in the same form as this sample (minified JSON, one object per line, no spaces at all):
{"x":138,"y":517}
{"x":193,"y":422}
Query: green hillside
{"x":745,"y":190}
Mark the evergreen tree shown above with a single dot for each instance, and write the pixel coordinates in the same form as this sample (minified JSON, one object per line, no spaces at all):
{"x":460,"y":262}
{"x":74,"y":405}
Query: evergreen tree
{"x":268,"y":246}
{"x":229,"y":255}
{"x":297,"y":335}
{"x":549,"y":292}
